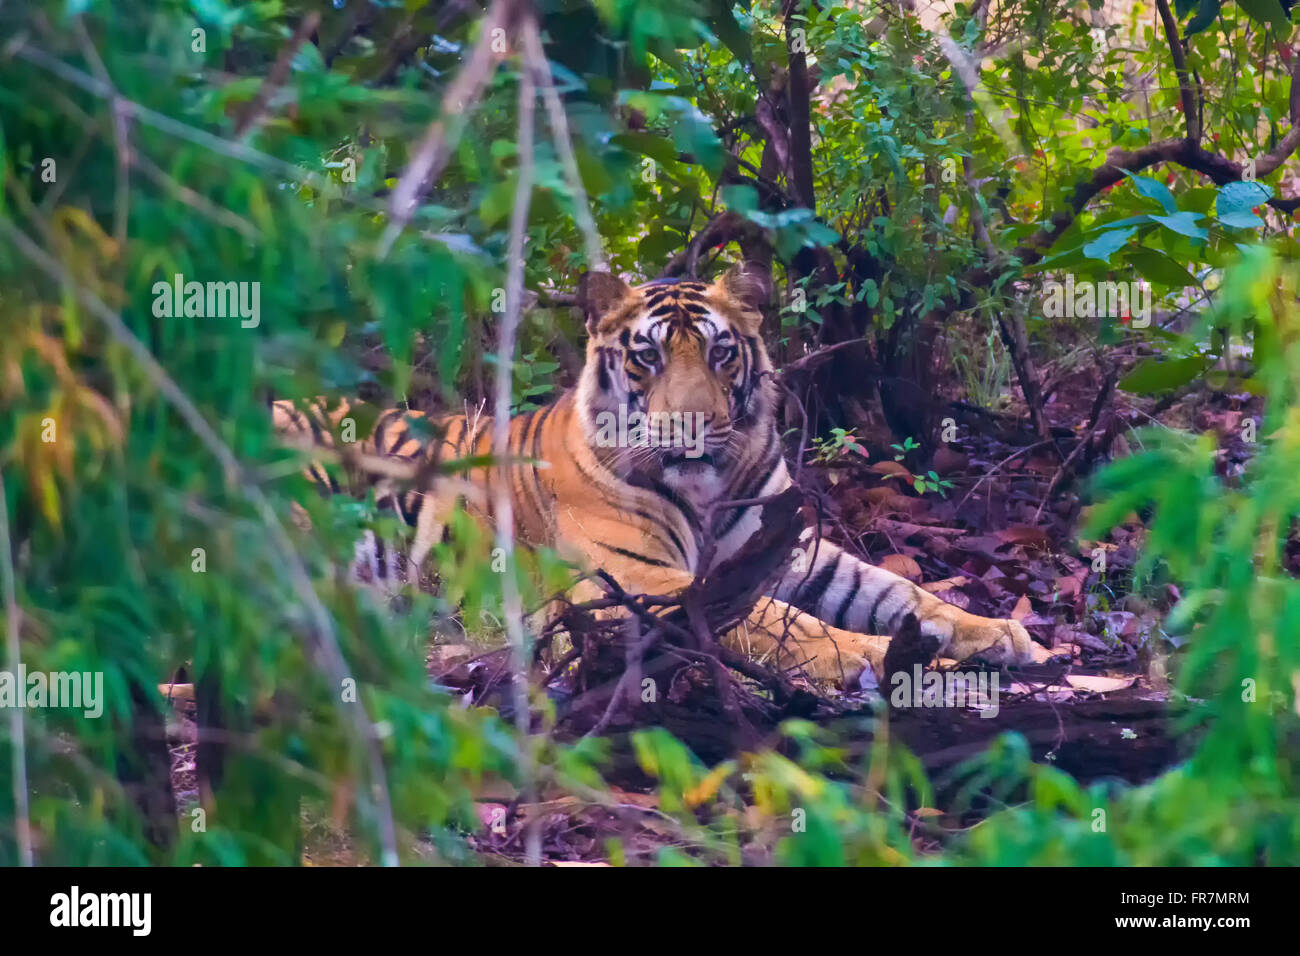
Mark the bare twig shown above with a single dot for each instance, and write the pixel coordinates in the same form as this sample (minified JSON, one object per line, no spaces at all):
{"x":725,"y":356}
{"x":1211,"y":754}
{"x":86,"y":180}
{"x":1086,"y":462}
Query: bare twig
{"x":1011,"y":326}
{"x":969,"y":73}
{"x":550,"y":299}
{"x":1071,"y":463}
{"x":503,"y":507}
{"x":720,"y":230}
{"x":635,"y":653}
{"x":195,"y":200}
{"x":814,"y":359}
{"x":252,"y":116}
{"x":17,"y":735}
{"x":995,"y":469}
{"x":144,"y":164}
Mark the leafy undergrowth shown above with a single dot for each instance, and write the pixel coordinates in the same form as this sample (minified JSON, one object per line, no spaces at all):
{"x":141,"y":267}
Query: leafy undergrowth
{"x":998,"y":540}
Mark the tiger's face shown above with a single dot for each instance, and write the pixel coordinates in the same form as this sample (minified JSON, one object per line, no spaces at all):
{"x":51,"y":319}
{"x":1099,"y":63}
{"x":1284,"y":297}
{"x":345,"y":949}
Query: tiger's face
{"x":674,"y":381}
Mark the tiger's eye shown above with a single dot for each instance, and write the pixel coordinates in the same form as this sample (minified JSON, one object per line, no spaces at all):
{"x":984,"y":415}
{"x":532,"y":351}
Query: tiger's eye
{"x":647,"y":356}
{"x":722,"y":353}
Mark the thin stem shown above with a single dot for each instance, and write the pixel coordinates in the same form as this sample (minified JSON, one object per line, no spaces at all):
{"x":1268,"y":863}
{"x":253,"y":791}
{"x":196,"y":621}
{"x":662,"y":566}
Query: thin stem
{"x":17,"y":732}
{"x":502,"y":505}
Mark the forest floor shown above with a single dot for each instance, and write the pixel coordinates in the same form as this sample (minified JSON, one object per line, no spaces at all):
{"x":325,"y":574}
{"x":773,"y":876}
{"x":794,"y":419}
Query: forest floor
{"x":1001,"y":540}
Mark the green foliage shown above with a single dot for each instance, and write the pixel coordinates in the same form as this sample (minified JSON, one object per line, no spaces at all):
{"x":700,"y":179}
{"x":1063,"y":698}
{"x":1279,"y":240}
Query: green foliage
{"x":663,"y":101}
{"x":835,"y":447}
{"x":108,"y":512}
{"x":1240,"y":611}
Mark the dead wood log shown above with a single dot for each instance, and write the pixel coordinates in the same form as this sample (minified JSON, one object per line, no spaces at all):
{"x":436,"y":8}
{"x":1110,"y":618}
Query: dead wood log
{"x":681,"y":642}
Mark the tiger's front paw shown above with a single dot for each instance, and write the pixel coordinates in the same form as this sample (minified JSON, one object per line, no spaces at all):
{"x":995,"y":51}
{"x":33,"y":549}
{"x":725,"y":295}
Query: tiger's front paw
{"x":851,"y":661}
{"x":993,"y":640}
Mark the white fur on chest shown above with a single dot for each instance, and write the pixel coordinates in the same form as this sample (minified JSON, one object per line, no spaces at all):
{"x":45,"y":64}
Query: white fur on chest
{"x":750,"y":520}
{"x":699,"y":486}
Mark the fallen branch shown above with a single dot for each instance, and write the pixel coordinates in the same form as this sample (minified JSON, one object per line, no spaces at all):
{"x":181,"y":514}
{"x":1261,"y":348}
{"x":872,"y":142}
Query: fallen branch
{"x":813,"y":359}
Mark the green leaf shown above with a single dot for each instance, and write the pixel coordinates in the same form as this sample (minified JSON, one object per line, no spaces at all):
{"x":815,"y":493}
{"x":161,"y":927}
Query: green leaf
{"x":308,"y":60}
{"x":1130,"y":221}
{"x":1206,"y":15}
{"x":740,"y":199}
{"x":1236,"y":202}
{"x":1151,"y":189}
{"x":820,"y":234}
{"x":1266,"y":11}
{"x":1157,"y":267}
{"x":692,"y":131}
{"x":647,"y":144}
{"x":1108,"y":243}
{"x":1184,"y":223}
{"x":729,"y":32}
{"x":497,"y":202}
{"x":1057,"y":261}
{"x":871,"y":293}
{"x":658,"y":245}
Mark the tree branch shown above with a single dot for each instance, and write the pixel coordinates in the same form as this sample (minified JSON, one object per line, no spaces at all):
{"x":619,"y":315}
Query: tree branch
{"x":1185,"y":152}
{"x":1187,"y":92}
{"x":721,"y":229}
{"x":797,"y":92}
{"x":251,"y":118}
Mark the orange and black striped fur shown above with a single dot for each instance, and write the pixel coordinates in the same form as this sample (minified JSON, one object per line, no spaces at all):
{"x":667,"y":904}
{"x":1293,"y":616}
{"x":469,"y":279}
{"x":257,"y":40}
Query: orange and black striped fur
{"x":692,"y":349}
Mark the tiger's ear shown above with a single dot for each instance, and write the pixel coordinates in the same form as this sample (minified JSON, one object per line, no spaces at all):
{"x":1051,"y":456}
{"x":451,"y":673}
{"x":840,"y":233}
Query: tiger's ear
{"x":598,"y":293}
{"x":749,"y":284}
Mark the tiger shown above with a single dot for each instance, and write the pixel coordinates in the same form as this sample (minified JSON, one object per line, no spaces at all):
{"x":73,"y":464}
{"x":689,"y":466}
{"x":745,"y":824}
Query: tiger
{"x":681,"y":352}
